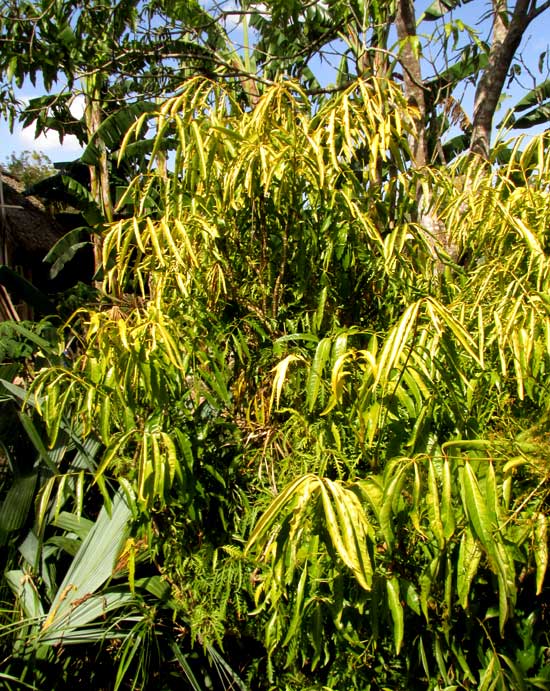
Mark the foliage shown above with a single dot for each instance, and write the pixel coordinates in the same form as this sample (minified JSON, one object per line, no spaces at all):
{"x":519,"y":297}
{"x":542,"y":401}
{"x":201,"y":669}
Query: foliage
{"x":29,"y":167}
{"x":292,"y":443}
{"x":331,"y":439}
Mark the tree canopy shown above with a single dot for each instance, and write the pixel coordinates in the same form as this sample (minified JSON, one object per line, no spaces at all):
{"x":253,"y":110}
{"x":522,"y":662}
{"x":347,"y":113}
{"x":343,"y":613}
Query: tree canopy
{"x":295,"y":436}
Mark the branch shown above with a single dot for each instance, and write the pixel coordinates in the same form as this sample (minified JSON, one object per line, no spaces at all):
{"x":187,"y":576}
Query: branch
{"x":536,"y":11}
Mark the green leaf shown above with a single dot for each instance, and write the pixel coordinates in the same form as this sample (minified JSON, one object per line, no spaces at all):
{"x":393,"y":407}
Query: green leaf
{"x":37,"y":442}
{"x":73,"y":523}
{"x":113,"y":129}
{"x":428,"y":577}
{"x":24,"y":290}
{"x":447,"y":508}
{"x":181,"y":659}
{"x":313,"y":385}
{"x":23,"y":587}
{"x":396,"y":609}
{"x":15,"y":507}
{"x":66,"y":248}
{"x":76,"y":603}
{"x":541,"y":549}
{"x":538,"y":116}
{"x":534,"y":97}
{"x":304,"y":486}
{"x":392,"y":494}
{"x":354,"y":527}
{"x":432,"y":501}
{"x":475,"y":506}
{"x":396,"y":343}
{"x":439,"y":8}
{"x":469,"y":557}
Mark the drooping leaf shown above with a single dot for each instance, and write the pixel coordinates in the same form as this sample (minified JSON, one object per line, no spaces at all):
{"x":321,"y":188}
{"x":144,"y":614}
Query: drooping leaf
{"x":25,"y":290}
{"x":440,"y":7}
{"x":14,"y":510}
{"x":396,"y":609}
{"x":538,"y":116}
{"x":541,"y":549}
{"x":320,"y":359}
{"x":534,"y":97}
{"x":113,"y":129}
{"x":66,"y":248}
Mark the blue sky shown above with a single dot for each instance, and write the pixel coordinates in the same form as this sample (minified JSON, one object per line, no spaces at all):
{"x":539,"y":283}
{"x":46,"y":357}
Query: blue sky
{"x":536,"y":40}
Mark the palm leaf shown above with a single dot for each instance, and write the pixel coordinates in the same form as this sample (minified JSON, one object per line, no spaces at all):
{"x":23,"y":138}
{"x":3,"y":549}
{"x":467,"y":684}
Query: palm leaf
{"x":77,"y":603}
{"x":113,"y":129}
{"x":439,"y":8}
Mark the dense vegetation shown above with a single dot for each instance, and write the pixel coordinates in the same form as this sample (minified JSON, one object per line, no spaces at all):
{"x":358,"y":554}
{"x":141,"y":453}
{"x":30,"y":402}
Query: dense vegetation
{"x":296,"y":437}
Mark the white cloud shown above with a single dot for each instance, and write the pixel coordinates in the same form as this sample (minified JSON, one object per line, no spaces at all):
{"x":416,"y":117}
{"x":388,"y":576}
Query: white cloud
{"x":77,"y":106}
{"x":49,"y":143}
{"x":24,"y":140}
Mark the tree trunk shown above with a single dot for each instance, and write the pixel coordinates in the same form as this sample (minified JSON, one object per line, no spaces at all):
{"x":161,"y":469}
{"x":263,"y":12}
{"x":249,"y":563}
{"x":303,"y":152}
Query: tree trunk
{"x":414,"y":86}
{"x":434,"y":229}
{"x":506,"y":40}
{"x":99,"y":173}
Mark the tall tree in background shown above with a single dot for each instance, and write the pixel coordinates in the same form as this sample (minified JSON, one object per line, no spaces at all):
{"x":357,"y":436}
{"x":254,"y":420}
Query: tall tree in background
{"x":29,"y":166}
{"x":295,"y":34}
{"x":120,"y":57}
{"x":510,"y":24}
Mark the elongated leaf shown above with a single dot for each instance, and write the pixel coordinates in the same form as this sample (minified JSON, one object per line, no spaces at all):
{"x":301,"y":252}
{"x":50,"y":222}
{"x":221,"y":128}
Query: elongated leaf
{"x":113,"y":128}
{"x":434,"y":512}
{"x":313,"y":385}
{"x":66,"y":248}
{"x":280,"y":376}
{"x":351,"y":539}
{"x":84,"y":199}
{"x":541,"y":549}
{"x":185,"y":666}
{"x":391,"y":495}
{"x":455,"y":326}
{"x":37,"y":442}
{"x":276,"y":510}
{"x":396,"y":609}
{"x":24,"y":290}
{"x":24,"y":588}
{"x":72,"y":625}
{"x":30,"y":335}
{"x":428,"y":578}
{"x":439,"y":8}
{"x":475,"y":506}
{"x":469,"y":557}
{"x":397,"y":343}
{"x":447,"y":509}
{"x":297,"y":607}
{"x":534,"y":97}
{"x":538,"y":116}
{"x":14,"y":510}
{"x":73,"y":523}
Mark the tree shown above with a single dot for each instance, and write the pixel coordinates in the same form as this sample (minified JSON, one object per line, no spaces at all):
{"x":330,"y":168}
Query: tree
{"x":279,"y":432}
{"x":30,"y":167}
{"x":509,"y":27}
{"x":113,"y":54}
{"x":293,"y":33}
{"x":276,"y":366}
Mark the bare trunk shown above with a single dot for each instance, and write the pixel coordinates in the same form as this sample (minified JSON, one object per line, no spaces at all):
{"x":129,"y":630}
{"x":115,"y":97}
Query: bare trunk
{"x":414,"y":86}
{"x":506,"y":39}
{"x":435,"y":231}
{"x":99,"y":173}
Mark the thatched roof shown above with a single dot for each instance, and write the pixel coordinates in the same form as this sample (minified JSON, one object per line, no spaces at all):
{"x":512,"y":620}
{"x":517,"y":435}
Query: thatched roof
{"x":29,"y":228}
